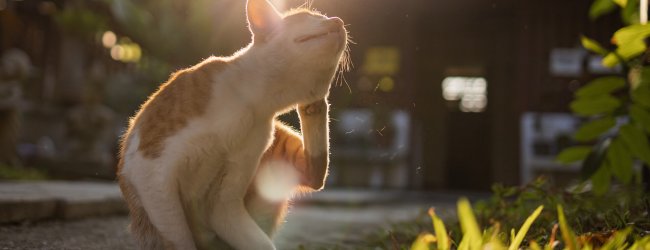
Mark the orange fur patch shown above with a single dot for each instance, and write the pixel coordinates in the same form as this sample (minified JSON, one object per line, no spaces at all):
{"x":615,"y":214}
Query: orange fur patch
{"x":184,"y":96}
{"x":287,"y":145}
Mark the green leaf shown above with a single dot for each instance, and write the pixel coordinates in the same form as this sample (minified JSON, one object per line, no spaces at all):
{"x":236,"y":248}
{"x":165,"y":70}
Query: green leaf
{"x":621,"y":3}
{"x":573,"y":154}
{"x":472,"y":234}
{"x":441,"y":232}
{"x":641,"y":96}
{"x":618,"y":240}
{"x":423,"y":241}
{"x":601,"y":179}
{"x":601,"y":7}
{"x":630,"y":12}
{"x":610,"y":60}
{"x":636,"y":141}
{"x":524,"y":229}
{"x":595,"y":159}
{"x":592,"y":45}
{"x":593,"y":129}
{"x":630,"y":40}
{"x":594,"y":105}
{"x":601,"y":86}
{"x":620,"y":160}
{"x":568,"y":235}
{"x":643,"y":243}
{"x":641,"y":116}
{"x":534,"y":246}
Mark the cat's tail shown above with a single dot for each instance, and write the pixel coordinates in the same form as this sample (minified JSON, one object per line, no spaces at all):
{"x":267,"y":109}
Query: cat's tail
{"x":145,"y":234}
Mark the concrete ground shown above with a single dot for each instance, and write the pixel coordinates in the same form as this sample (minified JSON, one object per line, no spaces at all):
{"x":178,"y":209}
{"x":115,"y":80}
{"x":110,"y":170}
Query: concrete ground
{"x":77,"y":220}
{"x":312,"y":227}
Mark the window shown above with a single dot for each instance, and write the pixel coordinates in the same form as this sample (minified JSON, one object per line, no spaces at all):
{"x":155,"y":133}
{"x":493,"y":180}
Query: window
{"x":468,"y":93}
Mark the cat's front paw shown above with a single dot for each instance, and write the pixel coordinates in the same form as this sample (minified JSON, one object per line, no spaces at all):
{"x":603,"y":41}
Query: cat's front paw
{"x":317,"y":107}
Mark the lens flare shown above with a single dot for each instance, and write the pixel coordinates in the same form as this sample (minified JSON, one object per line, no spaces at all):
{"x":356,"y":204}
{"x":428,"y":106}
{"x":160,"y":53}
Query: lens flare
{"x":276,"y":180}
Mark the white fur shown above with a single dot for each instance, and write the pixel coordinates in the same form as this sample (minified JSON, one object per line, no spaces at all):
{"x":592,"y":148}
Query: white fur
{"x":259,"y":82}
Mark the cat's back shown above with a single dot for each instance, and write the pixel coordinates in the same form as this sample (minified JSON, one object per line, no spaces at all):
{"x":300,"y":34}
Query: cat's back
{"x":184,"y":97}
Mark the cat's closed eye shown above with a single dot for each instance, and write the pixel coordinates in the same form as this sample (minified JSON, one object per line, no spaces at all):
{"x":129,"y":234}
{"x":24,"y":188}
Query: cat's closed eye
{"x":330,"y":27}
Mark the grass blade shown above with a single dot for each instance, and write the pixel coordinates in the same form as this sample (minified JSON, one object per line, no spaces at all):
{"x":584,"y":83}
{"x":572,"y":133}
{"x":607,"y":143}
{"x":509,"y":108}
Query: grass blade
{"x":534,"y":246}
{"x":524,"y":229}
{"x":618,"y":241}
{"x":471,"y":231}
{"x":441,"y":231}
{"x":423,"y":241}
{"x":568,"y":235}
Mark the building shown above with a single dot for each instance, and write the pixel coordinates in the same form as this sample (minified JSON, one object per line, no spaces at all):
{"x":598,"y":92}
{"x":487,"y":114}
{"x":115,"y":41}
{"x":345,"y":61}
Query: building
{"x":439,"y":88}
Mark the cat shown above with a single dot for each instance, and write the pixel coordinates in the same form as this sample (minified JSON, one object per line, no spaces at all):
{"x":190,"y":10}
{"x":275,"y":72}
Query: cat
{"x":196,"y":154}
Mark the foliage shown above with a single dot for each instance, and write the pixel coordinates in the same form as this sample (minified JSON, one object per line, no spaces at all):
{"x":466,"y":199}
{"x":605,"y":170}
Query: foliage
{"x":616,"y":108}
{"x":169,"y":34}
{"x":594,"y":218}
{"x":13,"y":173}
{"x":191,"y":30}
{"x":492,"y":238}
{"x":586,"y":213}
{"x":80,"y":21}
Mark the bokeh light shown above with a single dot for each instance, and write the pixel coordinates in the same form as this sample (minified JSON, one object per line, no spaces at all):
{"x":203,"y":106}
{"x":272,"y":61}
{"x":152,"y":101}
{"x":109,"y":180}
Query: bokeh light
{"x":109,"y":39}
{"x":117,"y":52}
{"x":386,"y":84}
{"x":471,"y":91}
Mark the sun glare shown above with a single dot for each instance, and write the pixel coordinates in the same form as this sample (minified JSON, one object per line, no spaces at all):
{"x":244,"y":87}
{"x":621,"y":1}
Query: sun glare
{"x":280,"y":5}
{"x":276,"y":180}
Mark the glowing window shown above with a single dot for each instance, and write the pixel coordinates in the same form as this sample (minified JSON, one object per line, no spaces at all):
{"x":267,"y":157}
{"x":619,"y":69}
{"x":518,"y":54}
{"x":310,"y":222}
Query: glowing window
{"x":470,"y":93}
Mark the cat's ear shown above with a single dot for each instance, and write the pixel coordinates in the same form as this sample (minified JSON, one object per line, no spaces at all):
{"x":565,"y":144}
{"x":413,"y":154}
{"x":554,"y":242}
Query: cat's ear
{"x":262,"y":18}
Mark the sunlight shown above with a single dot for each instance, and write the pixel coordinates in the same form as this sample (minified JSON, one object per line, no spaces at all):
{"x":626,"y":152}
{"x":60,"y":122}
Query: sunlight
{"x":276,"y":180}
{"x":280,"y":5}
{"x":470,"y":91}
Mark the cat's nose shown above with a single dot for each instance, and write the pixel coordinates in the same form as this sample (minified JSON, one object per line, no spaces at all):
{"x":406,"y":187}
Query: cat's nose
{"x":335,"y":24}
{"x":336,"y":20}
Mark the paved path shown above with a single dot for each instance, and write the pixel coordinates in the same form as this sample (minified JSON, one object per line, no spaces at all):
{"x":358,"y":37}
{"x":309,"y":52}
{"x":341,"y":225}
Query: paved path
{"x":94,"y":233}
{"x":86,"y":215}
{"x":39,"y":200}
{"x":310,"y":226}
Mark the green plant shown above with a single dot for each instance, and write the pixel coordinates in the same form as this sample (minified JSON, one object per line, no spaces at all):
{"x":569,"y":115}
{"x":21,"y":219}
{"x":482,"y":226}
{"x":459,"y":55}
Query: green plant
{"x":491,"y":238}
{"x":588,"y":214}
{"x":617,"y":108}
{"x":13,"y":173}
{"x":81,"y":21}
{"x":592,"y":217}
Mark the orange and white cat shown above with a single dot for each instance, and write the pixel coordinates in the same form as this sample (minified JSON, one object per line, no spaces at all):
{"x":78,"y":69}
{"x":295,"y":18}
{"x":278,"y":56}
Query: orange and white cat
{"x":194,"y":156}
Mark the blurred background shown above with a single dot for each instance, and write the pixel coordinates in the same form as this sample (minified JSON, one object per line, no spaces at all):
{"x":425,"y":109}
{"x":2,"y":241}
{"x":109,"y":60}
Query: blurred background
{"x":443,"y":95}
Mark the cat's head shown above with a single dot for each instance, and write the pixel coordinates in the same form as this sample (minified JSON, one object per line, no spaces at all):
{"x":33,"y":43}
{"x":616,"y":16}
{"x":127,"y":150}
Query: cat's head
{"x":306,"y":41}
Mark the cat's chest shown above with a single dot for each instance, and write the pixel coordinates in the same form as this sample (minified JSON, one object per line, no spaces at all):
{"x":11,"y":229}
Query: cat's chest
{"x":230,"y":134}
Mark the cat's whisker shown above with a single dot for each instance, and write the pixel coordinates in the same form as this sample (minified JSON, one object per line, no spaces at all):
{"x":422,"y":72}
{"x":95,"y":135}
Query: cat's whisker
{"x":346,"y":83}
{"x":345,"y":64}
{"x":350,"y":38}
